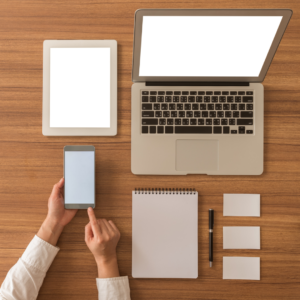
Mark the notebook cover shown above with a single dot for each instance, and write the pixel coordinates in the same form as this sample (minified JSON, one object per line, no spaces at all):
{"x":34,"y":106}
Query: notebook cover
{"x":165,"y":235}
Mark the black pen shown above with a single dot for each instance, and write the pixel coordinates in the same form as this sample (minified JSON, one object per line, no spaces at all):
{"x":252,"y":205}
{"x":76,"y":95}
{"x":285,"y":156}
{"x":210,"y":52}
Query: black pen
{"x":211,"y":227}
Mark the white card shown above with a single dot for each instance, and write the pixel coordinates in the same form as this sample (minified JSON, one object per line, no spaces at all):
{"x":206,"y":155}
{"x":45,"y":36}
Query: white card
{"x":241,"y":237}
{"x":241,"y":205}
{"x":247,"y":268}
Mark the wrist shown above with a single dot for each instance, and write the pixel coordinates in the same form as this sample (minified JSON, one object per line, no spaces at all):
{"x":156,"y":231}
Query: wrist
{"x":108,"y":267}
{"x":50,"y":231}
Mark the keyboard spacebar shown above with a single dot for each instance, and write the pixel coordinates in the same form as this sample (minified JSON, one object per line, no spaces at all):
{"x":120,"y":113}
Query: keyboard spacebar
{"x":193,"y":129}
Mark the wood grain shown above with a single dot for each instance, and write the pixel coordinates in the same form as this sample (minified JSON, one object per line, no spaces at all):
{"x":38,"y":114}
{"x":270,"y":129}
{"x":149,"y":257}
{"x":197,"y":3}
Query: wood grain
{"x":31,"y":163}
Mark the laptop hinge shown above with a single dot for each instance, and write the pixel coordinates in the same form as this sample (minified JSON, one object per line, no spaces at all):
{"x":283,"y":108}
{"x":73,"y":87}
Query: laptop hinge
{"x":188,"y":83}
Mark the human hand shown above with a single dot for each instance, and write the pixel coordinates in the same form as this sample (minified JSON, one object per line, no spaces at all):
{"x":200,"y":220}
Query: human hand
{"x":57,"y":216}
{"x":102,"y":237}
{"x":56,"y":209}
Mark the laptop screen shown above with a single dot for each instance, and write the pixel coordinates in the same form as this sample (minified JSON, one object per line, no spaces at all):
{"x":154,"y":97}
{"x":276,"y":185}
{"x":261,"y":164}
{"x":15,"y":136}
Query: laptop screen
{"x":224,"y":46}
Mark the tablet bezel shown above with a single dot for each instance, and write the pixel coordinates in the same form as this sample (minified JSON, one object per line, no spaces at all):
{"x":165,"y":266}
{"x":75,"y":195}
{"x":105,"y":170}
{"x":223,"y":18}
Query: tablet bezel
{"x":76,"y":131}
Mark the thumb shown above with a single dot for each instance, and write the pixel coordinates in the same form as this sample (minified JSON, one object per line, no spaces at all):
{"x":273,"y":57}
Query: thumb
{"x":88,"y":232}
{"x":61,"y":183}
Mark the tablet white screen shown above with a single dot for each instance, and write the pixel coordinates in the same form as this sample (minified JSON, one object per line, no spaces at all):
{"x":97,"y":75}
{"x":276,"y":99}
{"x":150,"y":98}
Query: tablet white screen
{"x":80,"y":87}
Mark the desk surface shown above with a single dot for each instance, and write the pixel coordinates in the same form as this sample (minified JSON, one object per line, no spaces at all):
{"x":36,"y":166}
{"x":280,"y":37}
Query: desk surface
{"x":31,"y":163}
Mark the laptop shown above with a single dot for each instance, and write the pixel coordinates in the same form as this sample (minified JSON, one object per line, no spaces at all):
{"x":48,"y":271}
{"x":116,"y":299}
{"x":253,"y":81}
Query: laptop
{"x":197,"y":102}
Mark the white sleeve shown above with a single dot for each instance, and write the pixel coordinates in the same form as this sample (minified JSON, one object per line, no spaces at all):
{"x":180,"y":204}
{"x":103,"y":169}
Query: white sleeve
{"x":24,"y":279}
{"x":116,"y":288}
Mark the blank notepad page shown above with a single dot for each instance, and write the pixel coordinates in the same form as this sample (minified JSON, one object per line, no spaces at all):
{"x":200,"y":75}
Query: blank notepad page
{"x":165,"y":235}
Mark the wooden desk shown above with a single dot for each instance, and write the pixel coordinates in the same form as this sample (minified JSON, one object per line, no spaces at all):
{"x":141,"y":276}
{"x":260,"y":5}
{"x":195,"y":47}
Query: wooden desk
{"x":31,"y":163}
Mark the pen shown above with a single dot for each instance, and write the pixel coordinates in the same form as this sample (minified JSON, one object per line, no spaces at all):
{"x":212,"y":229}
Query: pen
{"x":211,"y":227}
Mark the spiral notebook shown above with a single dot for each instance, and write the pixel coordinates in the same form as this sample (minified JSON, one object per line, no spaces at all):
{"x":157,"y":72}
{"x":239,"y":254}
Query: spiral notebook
{"x":164,"y":234}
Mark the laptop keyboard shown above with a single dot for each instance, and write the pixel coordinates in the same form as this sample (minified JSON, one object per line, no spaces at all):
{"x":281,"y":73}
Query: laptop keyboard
{"x":197,"y":112}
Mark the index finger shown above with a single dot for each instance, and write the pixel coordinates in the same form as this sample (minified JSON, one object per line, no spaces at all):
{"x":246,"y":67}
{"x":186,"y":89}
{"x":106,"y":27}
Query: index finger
{"x":93,"y":220}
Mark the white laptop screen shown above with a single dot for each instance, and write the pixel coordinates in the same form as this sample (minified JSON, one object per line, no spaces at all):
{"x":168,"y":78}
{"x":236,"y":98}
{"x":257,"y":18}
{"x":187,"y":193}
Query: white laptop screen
{"x":224,"y":46}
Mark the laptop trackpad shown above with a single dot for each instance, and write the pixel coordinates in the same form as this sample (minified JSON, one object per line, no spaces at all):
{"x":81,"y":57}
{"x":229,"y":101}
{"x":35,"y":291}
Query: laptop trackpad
{"x":197,"y":155}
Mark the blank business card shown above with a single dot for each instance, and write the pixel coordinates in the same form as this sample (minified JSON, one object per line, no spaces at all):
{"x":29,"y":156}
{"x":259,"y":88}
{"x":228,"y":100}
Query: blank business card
{"x":241,"y":237}
{"x":247,"y":268}
{"x":241,"y":205}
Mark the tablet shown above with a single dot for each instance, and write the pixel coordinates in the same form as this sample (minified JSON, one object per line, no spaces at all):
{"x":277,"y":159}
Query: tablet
{"x":80,"y":87}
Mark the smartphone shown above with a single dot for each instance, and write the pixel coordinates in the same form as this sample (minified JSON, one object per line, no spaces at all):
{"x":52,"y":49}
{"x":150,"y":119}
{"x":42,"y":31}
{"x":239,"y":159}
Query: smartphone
{"x":79,"y":174}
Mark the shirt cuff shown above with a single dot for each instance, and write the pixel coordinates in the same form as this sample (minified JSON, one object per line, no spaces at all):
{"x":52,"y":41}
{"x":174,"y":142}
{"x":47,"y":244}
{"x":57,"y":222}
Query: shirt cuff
{"x":40,"y":254}
{"x":116,"y":288}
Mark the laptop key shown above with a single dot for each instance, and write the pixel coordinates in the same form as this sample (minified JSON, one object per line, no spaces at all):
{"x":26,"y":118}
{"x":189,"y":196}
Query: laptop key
{"x":177,"y":93}
{"x":185,"y":121}
{"x":202,"y":106}
{"x":241,"y":93}
{"x":226,"y":106}
{"x":199,"y":99}
{"x":224,"y":122}
{"x":244,"y":122}
{"x":193,"y":129}
{"x":189,"y":114}
{"x":144,"y":129}
{"x":197,"y":114}
{"x":217,"y":129}
{"x":187,"y":106}
{"x":169,"y":129}
{"x":205,"y":114}
{"x":249,"y":131}
{"x":182,"y":114}
{"x":225,"y":93}
{"x":249,"y":106}
{"x":229,"y":99}
{"x":249,"y":93}
{"x":145,"y":93}
{"x":247,"y":99}
{"x":160,"y":98}
{"x":233,"y":106}
{"x":169,"y":93}
{"x":246,"y":114}
{"x":220,"y":114}
{"x":172,"y":107}
{"x":236,"y":114}
{"x":183,"y":99}
{"x":218,"y":106}
{"x":191,"y":99}
{"x":238,"y":99}
{"x":209,"y":93}
{"x":233,"y":93}
{"x":152,"y":98}
{"x":156,"y":106}
{"x":222,"y":99}
{"x":226,"y":129}
{"x":160,"y":129}
{"x":193,"y":93}
{"x":208,"y":122}
{"x":200,"y":122}
{"x":170,"y":122}
{"x":207,"y":99}
{"x":158,"y":114}
{"x":231,"y":121}
{"x":193,"y":121}
{"x":177,"y":121}
{"x":216,"y":121}
{"x":149,"y":121}
{"x":241,"y":106}
{"x":185,"y":93}
{"x":174,"y":114}
{"x":217,"y":93}
{"x":212,"y":114}
{"x":210,"y":106}
{"x":153,"y":93}
{"x":241,"y":130}
{"x":164,"y":106}
{"x":195,"y":106}
{"x":227,"y":114}
{"x":161,"y":93}
{"x":201,"y":93}
{"x":145,"y":98}
{"x":166,"y":114}
{"x":175,"y":98}
{"x":162,"y":121}
{"x":146,"y":106}
{"x":148,"y":114}
{"x":214,"y":99}
{"x":168,"y":99}
{"x":152,"y":129}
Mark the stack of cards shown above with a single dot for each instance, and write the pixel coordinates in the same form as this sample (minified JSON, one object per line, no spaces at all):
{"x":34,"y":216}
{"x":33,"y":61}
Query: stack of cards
{"x":241,"y":237}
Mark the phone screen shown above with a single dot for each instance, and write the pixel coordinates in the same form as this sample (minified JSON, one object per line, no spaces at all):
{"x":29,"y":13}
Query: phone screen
{"x":79,"y":177}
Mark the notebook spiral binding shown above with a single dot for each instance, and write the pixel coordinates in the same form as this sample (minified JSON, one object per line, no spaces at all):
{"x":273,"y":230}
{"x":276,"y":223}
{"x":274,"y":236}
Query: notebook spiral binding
{"x":164,"y":191}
